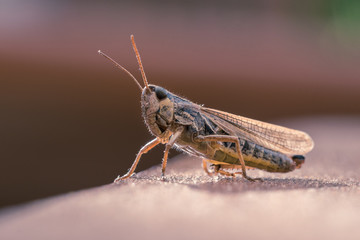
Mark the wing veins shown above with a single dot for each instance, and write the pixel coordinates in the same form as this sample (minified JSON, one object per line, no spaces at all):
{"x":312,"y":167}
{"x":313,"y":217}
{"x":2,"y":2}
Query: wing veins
{"x":277,"y":138}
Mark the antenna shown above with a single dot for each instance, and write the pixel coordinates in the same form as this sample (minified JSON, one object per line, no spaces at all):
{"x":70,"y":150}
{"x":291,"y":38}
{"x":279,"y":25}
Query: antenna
{"x":122,"y":68}
{"x":139,"y":62}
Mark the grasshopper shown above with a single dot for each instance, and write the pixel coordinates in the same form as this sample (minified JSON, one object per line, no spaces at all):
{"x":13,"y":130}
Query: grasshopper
{"x":223,"y":140}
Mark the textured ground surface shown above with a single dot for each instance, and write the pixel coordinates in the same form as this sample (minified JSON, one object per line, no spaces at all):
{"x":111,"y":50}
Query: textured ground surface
{"x":319,"y":201}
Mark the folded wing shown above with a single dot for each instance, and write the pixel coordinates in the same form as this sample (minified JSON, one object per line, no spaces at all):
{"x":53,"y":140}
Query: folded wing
{"x":277,"y":138}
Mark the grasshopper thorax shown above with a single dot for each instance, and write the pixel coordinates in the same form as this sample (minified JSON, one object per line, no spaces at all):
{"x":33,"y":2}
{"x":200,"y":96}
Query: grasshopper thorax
{"x":157,"y":109}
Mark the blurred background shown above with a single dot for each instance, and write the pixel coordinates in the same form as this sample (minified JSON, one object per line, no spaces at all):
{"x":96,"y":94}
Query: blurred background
{"x":71,"y":120}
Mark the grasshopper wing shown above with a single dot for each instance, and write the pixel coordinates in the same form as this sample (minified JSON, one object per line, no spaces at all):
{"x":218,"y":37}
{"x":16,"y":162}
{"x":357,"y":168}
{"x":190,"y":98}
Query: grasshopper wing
{"x":277,"y":138}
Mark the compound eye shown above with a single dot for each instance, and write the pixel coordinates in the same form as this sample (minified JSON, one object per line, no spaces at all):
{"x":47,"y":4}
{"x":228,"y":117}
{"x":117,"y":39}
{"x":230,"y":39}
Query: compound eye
{"x":160,"y":93}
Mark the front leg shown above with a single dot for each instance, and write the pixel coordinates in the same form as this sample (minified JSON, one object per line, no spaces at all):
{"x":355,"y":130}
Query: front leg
{"x":143,"y":150}
{"x":226,"y":138}
{"x":167,"y":149}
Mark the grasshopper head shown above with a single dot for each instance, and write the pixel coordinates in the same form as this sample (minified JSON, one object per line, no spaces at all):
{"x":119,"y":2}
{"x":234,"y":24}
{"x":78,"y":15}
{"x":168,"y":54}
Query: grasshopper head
{"x":157,"y":109}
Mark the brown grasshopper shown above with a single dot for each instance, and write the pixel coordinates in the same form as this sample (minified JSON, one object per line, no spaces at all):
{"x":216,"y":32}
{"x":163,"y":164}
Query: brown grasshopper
{"x":224,"y":140}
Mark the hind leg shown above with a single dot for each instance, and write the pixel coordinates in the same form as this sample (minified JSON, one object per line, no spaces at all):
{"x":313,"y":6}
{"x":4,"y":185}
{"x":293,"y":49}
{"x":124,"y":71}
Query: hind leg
{"x":206,"y":169}
{"x":219,"y":169}
{"x":208,"y":172}
{"x":221,"y":138}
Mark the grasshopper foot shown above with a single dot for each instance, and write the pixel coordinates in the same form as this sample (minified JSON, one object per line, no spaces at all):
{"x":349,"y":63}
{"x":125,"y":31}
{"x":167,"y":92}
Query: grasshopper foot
{"x":253,"y":179}
{"x":119,"y":179}
{"x":163,"y":178}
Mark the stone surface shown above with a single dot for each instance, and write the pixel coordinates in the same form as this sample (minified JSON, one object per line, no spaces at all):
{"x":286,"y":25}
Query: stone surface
{"x":319,"y":201}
